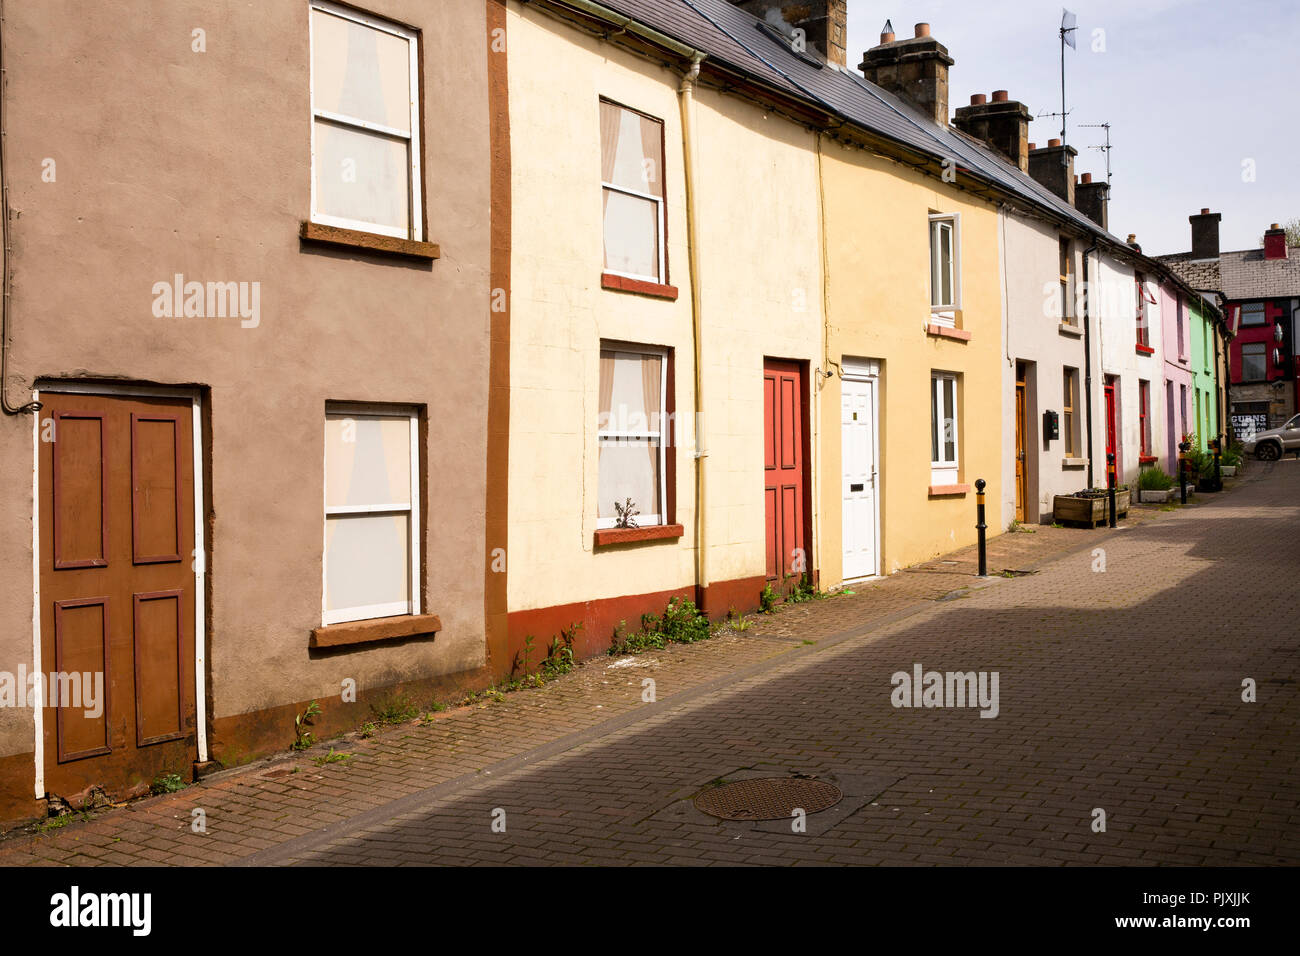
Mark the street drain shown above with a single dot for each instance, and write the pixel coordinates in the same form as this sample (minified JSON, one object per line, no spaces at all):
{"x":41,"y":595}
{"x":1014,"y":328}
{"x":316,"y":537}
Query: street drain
{"x":767,"y":798}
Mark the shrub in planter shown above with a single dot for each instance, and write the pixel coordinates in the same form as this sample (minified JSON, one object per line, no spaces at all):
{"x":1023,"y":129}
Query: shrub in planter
{"x":1154,"y":485}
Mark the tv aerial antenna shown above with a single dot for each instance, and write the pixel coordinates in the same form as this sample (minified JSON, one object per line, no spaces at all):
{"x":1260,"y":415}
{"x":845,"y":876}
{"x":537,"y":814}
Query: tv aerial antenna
{"x":1103,"y":148}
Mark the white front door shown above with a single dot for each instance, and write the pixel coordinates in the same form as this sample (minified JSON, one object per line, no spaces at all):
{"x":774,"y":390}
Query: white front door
{"x":859,"y":447}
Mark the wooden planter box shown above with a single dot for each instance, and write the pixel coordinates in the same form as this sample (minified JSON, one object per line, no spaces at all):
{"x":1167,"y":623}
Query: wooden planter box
{"x":1089,"y":512}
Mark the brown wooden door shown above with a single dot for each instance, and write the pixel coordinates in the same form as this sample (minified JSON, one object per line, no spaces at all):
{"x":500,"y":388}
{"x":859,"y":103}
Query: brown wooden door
{"x":1021,"y":490}
{"x":784,"y":481}
{"x":117,"y":592}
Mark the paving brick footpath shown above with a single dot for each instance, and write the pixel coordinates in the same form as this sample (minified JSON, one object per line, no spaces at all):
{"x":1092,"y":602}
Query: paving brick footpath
{"x":1118,"y":690}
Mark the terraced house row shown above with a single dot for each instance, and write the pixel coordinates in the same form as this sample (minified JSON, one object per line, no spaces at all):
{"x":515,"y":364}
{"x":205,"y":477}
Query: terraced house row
{"x":349,"y":346}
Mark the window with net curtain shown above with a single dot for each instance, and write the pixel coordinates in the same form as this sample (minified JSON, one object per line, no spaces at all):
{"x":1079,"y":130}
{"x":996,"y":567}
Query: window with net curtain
{"x":365,"y":129}
{"x":371,"y":514}
{"x":632,"y":210}
{"x":630,"y":433}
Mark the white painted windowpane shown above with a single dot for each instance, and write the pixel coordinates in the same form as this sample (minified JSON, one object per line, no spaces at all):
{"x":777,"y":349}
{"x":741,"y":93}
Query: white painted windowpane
{"x":949,"y":420}
{"x":631,"y":235}
{"x":934,"y":419}
{"x":360,"y":72}
{"x":945,"y":250}
{"x":367,"y":560}
{"x":362,"y":176}
{"x":367,"y":460}
{"x":629,"y":468}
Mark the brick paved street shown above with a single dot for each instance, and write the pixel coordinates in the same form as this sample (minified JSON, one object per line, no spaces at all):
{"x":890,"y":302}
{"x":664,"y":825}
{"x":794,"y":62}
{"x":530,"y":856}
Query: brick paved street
{"x":1118,"y":690}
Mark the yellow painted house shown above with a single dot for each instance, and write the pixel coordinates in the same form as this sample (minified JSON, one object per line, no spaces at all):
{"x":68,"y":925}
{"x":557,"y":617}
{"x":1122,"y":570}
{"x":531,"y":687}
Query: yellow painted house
{"x":756,"y":312}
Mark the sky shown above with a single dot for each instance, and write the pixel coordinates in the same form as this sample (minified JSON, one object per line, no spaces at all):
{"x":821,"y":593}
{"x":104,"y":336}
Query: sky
{"x":1201,"y":96}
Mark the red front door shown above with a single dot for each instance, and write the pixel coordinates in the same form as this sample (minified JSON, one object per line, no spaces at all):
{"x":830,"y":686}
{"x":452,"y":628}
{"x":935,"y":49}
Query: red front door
{"x":1111,"y":447}
{"x":784,"y":481}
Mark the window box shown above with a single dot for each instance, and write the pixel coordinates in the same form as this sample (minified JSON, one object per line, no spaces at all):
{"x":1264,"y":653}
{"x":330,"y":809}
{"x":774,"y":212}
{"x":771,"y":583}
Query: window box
{"x":608,"y":536}
{"x":1092,"y":512}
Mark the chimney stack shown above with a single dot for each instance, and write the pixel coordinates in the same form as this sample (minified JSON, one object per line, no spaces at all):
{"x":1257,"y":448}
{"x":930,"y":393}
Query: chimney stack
{"x":825,"y":22}
{"x":1275,"y":242}
{"x":915,"y":70}
{"x":1053,"y":166}
{"x":1003,"y":124}
{"x":1205,"y":234}
{"x":1092,"y":199}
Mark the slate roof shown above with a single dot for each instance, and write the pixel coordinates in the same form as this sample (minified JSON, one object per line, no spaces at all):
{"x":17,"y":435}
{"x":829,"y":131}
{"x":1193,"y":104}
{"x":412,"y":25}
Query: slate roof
{"x":732,"y":36}
{"x":1245,"y":274}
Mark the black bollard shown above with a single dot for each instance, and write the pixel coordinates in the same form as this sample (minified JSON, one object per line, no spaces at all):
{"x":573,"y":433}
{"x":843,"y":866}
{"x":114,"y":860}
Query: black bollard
{"x":1183,"y":448}
{"x":980,"y":526}
{"x":1218,"y":479}
{"x":1110,"y":484}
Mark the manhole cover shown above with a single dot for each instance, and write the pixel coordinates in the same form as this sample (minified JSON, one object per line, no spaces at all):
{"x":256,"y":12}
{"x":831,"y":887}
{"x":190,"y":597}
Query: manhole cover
{"x":768,"y":798}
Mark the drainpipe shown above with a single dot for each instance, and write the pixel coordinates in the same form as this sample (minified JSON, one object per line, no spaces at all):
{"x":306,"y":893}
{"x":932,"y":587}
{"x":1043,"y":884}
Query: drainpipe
{"x":5,"y":253}
{"x":1087,"y":354}
{"x":686,"y":98}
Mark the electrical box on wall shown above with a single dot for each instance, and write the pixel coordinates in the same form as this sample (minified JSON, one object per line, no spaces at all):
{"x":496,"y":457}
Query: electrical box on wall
{"x":1051,"y":426}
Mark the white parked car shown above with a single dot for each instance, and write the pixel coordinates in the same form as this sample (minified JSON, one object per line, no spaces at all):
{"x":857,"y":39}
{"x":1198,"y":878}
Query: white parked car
{"x":1273,"y":443}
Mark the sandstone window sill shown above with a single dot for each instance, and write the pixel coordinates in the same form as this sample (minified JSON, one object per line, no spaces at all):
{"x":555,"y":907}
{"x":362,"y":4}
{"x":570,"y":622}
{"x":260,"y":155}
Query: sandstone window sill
{"x":1068,"y":328}
{"x":655,"y":290}
{"x":1074,"y":463}
{"x":314,"y":232}
{"x":659,"y":532}
{"x":379,"y":629}
{"x":944,"y":332}
{"x":949,"y":491}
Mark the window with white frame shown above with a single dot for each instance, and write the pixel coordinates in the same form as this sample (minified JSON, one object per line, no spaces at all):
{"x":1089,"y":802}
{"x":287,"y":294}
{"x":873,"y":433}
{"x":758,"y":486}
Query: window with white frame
{"x":372,"y":513}
{"x":633,"y":419}
{"x":1254,"y":362}
{"x":632,"y":193}
{"x":365,"y":130}
{"x":1252,"y":313}
{"x":943,"y":429}
{"x":945,"y":268}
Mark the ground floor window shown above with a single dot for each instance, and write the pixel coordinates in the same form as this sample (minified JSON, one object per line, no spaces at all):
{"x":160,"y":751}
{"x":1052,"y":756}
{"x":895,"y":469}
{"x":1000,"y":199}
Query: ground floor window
{"x":1069,"y":402}
{"x":943,"y":429}
{"x":631,"y":425}
{"x":372,"y":512}
{"x":1144,"y":418}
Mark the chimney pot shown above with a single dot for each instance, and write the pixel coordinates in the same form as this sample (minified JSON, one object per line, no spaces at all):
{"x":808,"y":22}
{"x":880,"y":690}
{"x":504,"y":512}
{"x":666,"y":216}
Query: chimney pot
{"x":977,"y":99}
{"x":915,"y":70}
{"x":1132,"y":238}
{"x":1087,"y":177}
{"x":999,"y":96}
{"x":887,"y":32}
{"x":1205,"y":211}
{"x":1275,"y":226}
{"x":1053,"y":142}
{"x":1032,"y":147}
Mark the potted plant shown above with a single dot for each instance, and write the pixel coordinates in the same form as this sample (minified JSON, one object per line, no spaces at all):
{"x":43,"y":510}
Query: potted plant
{"x":1155,"y":486}
{"x":1090,"y":506}
{"x":1231,"y":460}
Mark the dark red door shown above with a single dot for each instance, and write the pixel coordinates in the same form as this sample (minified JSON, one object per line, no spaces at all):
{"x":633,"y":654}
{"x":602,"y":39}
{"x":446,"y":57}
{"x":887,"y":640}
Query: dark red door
{"x":784,"y":481}
{"x":1111,"y":446}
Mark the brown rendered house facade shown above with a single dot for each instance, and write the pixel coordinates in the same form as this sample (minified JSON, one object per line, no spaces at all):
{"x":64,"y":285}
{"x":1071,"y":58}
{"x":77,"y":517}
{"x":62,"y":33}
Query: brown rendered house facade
{"x":257,"y":262}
